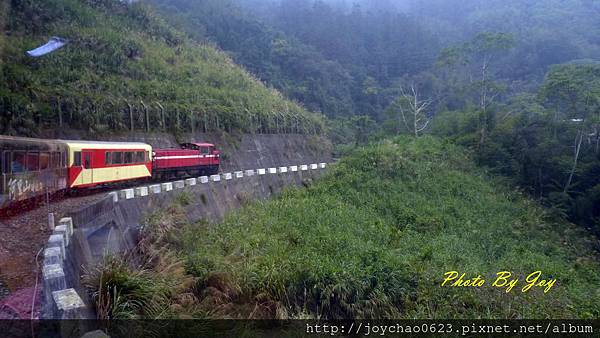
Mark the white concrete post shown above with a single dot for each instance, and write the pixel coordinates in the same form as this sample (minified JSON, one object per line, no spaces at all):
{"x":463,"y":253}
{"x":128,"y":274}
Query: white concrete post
{"x":204,"y":179}
{"x":154,"y":189}
{"x":215,"y":178}
{"x":68,"y":221}
{"x":261,"y":171}
{"x":114,"y":196}
{"x":51,"y":221}
{"x":190,"y":182}
{"x":239,"y":174}
{"x":168,"y":186}
{"x":141,"y":191}
{"x":69,"y":303}
{"x":58,"y":241}
{"x":179,"y":184}
{"x":53,"y":256}
{"x":63,"y":231}
{"x":54,"y":277}
{"x":127,"y":194}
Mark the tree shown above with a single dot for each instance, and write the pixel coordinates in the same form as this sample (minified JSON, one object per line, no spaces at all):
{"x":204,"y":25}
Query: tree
{"x":574,"y":93}
{"x":411,"y":111}
{"x":363,"y":126}
{"x":475,"y":58}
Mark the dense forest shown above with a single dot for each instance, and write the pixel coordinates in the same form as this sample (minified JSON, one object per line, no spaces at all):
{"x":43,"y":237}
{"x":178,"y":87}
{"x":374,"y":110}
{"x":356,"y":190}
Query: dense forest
{"x":515,"y":81}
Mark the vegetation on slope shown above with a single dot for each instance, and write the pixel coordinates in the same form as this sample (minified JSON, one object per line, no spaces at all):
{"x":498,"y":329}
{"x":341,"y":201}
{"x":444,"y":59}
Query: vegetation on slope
{"x":299,"y":71}
{"x":338,"y":63}
{"x":374,"y":237}
{"x":125,"y":68}
{"x":548,"y":143}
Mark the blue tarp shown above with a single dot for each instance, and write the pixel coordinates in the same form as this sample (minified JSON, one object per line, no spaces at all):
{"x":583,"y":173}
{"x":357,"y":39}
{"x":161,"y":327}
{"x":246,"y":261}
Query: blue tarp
{"x":53,"y":44}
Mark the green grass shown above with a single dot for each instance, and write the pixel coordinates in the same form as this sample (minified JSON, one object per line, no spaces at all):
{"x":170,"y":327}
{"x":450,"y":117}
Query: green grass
{"x":121,"y":58}
{"x":373,"y":238}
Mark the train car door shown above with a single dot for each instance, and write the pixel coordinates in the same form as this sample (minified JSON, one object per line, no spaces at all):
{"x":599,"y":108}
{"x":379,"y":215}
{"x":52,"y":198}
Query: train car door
{"x":87,"y":175}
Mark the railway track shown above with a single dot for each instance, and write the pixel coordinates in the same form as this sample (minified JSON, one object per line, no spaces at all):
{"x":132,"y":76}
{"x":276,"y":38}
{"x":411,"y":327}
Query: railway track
{"x":24,"y":231}
{"x":24,"y":234}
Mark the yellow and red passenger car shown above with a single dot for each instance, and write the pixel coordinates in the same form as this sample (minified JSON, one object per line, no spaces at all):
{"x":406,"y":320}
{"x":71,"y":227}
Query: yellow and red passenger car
{"x":96,"y":163}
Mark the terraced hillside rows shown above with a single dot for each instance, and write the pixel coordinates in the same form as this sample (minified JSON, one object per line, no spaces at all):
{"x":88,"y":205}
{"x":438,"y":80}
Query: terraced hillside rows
{"x":126,"y":69}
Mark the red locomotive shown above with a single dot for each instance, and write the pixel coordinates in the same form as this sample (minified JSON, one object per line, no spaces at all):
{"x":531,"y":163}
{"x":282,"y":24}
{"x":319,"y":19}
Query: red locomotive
{"x":192,"y":159}
{"x":33,"y":167}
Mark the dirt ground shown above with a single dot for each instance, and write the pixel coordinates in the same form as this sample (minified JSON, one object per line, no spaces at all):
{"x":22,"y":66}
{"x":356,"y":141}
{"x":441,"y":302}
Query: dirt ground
{"x":23,"y":236}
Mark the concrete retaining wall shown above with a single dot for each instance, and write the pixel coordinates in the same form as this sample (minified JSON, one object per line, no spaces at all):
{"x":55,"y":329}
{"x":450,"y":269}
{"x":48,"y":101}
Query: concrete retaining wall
{"x":111,"y":225}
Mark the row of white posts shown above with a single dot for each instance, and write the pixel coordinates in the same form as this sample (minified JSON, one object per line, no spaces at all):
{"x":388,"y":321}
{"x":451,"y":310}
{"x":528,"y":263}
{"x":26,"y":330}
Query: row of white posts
{"x":67,"y":303}
{"x":169,"y":186}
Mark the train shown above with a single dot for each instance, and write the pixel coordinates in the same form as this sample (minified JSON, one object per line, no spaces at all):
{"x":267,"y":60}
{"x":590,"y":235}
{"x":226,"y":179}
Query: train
{"x":33,"y":168}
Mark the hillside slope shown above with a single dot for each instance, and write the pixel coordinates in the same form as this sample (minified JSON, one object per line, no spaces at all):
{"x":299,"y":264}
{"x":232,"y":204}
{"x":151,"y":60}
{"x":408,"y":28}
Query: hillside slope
{"x":296,"y":69}
{"x":374,"y":239}
{"x":124,"y":68}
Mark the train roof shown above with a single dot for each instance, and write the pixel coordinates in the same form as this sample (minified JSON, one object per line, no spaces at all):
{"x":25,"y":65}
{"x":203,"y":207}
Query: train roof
{"x":72,"y":143}
{"x":200,"y":144}
{"x":106,"y":145}
{"x":77,"y":144}
{"x":6,"y":138}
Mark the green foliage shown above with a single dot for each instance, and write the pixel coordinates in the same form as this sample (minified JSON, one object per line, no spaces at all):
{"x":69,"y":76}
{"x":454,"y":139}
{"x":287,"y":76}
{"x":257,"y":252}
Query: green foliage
{"x":184,"y":199}
{"x":533,"y":139}
{"x":149,"y":282}
{"x":373,"y":238}
{"x":332,"y":61}
{"x":126,"y":69}
{"x":573,"y":91}
{"x":299,"y":71}
{"x":122,"y":292}
{"x":380,"y":43}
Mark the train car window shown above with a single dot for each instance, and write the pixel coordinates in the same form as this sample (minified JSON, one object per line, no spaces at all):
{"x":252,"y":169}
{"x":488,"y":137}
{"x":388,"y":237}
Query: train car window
{"x":63,"y":159}
{"x":5,"y":162}
{"x":117,"y":158}
{"x":44,"y":161}
{"x":204,"y":150}
{"x":56,"y":160}
{"x":128,"y":158}
{"x":77,"y":159}
{"x":108,"y":158}
{"x":18,"y":162}
{"x":139,"y":157}
{"x":33,"y":161}
{"x":147,"y":157}
{"x":87,"y":160}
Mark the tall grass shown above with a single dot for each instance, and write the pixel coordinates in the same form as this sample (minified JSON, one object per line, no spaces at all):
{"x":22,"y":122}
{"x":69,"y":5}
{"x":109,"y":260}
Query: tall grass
{"x":149,"y":282}
{"x":374,"y":237}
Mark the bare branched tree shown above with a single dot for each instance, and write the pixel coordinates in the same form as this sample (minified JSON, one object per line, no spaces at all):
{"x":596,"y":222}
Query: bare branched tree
{"x":413,"y":110}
